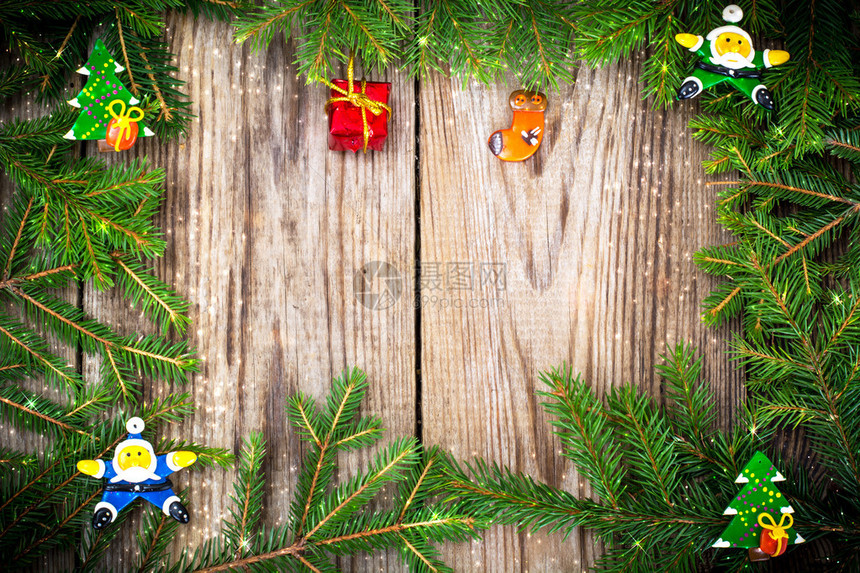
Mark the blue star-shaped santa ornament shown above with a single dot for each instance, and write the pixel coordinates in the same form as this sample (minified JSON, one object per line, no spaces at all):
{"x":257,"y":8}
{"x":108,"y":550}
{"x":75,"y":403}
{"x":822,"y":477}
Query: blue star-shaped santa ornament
{"x":136,"y":471}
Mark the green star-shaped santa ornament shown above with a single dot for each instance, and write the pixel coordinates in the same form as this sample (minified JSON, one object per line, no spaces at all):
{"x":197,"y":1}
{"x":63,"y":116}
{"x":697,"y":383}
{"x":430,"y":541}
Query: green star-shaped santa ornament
{"x":108,"y":108}
{"x":727,"y":55}
{"x":763,"y":521}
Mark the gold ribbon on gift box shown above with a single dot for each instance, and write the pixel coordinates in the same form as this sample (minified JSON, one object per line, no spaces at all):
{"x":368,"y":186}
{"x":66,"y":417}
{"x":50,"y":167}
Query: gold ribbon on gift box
{"x":358,"y":99}
{"x":124,"y":120}
{"x":777,"y":530}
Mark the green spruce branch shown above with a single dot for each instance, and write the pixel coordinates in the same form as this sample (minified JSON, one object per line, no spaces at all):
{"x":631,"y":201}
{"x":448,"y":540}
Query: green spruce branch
{"x":542,"y":42}
{"x":78,"y":220}
{"x":798,"y":224}
{"x":71,"y":221}
{"x":531,"y":39}
{"x":662,"y":475}
{"x":329,"y":519}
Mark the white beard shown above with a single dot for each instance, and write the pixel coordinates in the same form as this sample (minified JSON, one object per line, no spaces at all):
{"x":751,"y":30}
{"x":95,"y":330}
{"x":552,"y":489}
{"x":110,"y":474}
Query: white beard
{"x":134,"y":475}
{"x":732,"y":61}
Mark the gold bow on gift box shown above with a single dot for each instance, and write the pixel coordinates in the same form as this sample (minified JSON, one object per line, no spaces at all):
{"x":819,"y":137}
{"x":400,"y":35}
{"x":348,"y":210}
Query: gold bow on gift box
{"x":777,"y":530}
{"x":124,"y":120}
{"x":358,"y":99}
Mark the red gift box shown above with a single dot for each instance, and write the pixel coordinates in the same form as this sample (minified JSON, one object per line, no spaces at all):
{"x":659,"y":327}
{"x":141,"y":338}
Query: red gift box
{"x":345,"y":125}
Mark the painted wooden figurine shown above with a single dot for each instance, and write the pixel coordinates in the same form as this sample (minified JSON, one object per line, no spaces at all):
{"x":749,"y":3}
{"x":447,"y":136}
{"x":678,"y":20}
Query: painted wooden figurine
{"x":109,"y":113}
{"x":727,"y":55}
{"x":136,"y":471}
{"x":762,"y":521}
{"x":521,"y":140}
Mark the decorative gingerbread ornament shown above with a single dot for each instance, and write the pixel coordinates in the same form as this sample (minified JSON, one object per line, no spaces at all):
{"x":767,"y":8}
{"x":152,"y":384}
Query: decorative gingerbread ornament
{"x":522,"y":139}
{"x":727,"y":55}
{"x":763,"y":523}
{"x":137,"y":472}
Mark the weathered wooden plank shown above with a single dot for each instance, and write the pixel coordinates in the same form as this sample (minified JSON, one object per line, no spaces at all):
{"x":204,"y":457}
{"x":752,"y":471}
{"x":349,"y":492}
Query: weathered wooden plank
{"x":266,"y":231}
{"x":596,"y":234}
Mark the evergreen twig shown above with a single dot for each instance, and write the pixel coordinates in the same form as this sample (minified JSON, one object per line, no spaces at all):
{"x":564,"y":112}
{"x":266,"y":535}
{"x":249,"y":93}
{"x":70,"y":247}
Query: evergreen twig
{"x":328,"y":519}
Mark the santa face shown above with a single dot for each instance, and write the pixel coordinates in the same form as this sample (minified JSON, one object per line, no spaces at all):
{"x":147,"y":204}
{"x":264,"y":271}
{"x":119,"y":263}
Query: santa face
{"x":731,"y":47}
{"x":134,"y":456}
{"x":731,"y":43}
{"x":135,"y":462}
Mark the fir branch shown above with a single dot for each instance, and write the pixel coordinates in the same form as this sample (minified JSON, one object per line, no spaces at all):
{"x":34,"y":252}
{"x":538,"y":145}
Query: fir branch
{"x":416,"y":488}
{"x":54,"y":531}
{"x":135,"y":89}
{"x":153,"y":356}
{"x":207,"y":457}
{"x":397,"y":528}
{"x":810,"y":192}
{"x":35,"y":354}
{"x":582,"y":421}
{"x":165,"y":112}
{"x":158,"y":531}
{"x":156,"y":298}
{"x":17,"y":240}
{"x":642,"y":428}
{"x":691,"y":408}
{"x":342,"y":402}
{"x":339,"y":523}
{"x":12,"y":461}
{"x":248,"y":494}
{"x":366,"y":432}
{"x":297,"y":551}
{"x":95,"y":546}
{"x":30,"y":484}
{"x":44,"y":499}
{"x":820,"y":232}
{"x":387,"y":467}
{"x":503,"y":497}
{"x":34,"y":409}
{"x":68,"y":37}
{"x":59,"y":312}
{"x":670,"y":507}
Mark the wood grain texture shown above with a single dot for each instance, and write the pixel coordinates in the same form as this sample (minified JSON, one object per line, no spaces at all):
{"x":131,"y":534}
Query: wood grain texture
{"x":596,"y":233}
{"x":266,"y":230}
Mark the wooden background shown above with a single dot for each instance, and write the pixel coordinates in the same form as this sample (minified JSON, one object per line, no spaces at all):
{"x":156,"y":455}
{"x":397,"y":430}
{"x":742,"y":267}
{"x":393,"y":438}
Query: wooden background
{"x":267,"y":229}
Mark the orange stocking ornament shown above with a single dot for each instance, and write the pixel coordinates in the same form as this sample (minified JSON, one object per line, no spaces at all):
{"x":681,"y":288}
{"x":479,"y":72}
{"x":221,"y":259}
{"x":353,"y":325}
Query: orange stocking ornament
{"x":522,"y":139}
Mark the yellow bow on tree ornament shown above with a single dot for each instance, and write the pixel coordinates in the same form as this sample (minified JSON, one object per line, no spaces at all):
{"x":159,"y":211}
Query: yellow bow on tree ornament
{"x":347,"y":110}
{"x":754,"y":527}
{"x":122,"y":129}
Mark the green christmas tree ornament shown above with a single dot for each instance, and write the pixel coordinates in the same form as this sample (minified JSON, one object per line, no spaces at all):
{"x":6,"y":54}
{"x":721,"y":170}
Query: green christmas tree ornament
{"x":727,"y":55}
{"x":763,"y":521}
{"x":108,"y":108}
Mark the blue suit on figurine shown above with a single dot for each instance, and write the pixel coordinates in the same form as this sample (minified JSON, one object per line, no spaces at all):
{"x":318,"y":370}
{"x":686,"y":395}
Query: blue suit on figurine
{"x":137,"y":472}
